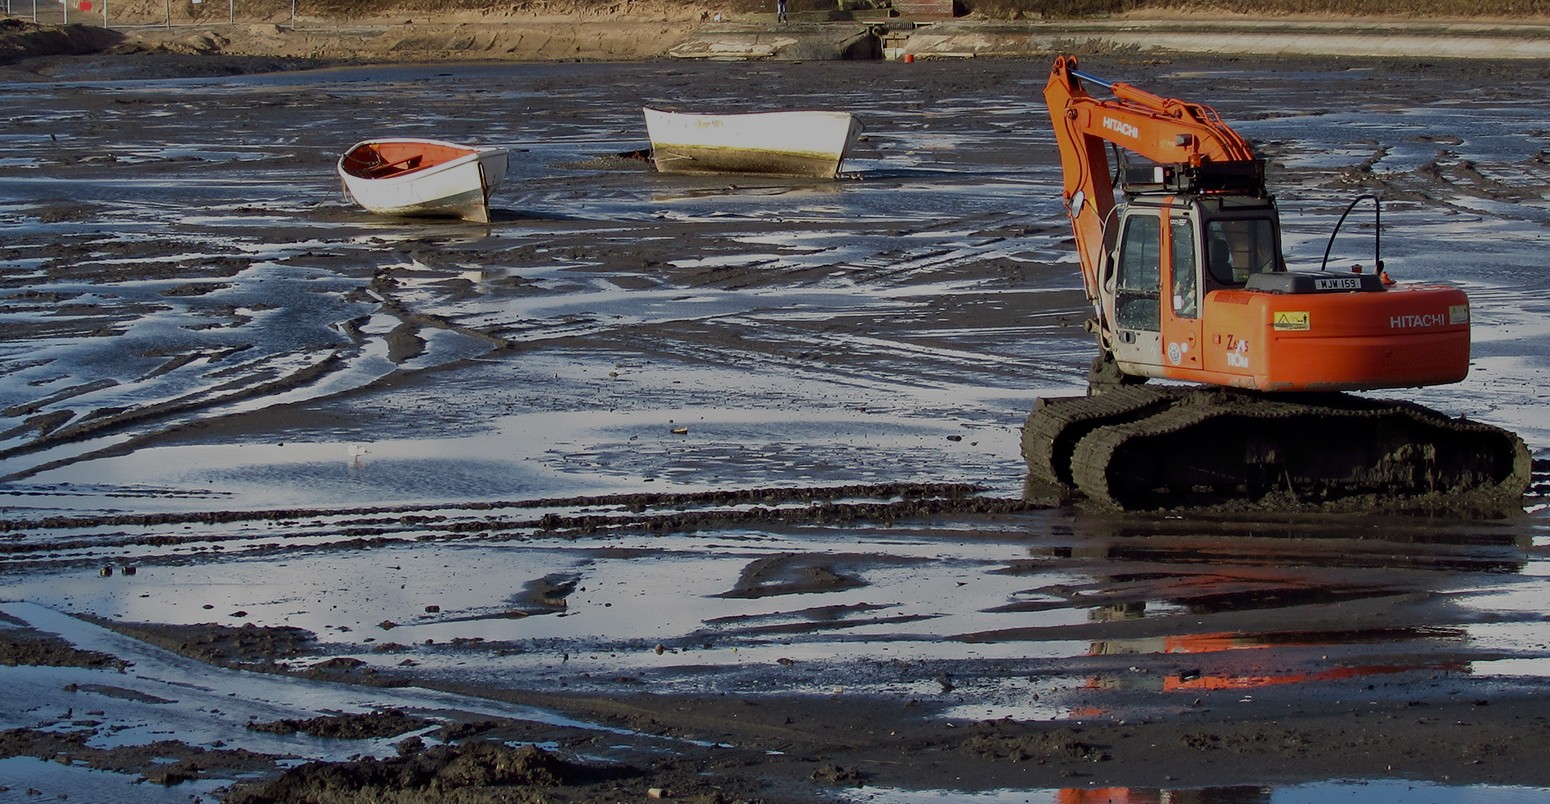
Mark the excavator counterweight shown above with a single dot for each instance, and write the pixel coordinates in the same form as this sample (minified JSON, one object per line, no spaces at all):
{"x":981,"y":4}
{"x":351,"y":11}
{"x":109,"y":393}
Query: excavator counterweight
{"x":1183,"y":267}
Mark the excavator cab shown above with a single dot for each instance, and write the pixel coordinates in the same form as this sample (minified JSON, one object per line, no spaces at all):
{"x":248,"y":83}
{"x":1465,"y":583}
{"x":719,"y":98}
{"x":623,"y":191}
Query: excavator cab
{"x":1192,"y":285}
{"x":1171,"y":251}
{"x":1167,"y":256}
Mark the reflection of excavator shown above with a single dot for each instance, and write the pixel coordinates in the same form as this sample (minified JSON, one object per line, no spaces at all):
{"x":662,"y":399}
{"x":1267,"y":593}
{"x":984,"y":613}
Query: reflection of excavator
{"x":1243,"y":794}
{"x":1188,"y":282}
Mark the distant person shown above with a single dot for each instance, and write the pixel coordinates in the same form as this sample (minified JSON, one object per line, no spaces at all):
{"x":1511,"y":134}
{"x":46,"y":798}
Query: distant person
{"x":780,"y":10}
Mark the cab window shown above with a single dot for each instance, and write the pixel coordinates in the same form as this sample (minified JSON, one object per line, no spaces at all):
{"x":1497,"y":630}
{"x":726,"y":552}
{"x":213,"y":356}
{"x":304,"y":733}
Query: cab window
{"x":1137,"y":300}
{"x":1237,"y":248}
{"x":1182,"y":263}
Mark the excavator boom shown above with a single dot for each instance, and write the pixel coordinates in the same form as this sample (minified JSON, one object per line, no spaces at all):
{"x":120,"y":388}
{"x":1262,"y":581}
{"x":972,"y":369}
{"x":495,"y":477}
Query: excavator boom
{"x":1163,"y":130}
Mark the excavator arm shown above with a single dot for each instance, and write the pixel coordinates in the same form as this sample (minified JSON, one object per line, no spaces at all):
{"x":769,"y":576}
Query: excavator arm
{"x":1187,"y":140}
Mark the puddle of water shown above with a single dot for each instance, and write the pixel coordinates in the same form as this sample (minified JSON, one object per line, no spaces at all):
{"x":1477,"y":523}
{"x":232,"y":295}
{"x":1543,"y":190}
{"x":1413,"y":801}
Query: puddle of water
{"x":29,"y":779}
{"x":528,"y":455}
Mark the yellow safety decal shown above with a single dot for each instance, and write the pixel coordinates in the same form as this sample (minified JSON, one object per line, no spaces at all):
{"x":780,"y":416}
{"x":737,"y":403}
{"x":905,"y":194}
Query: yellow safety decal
{"x":1458,"y":314}
{"x":1288,"y":321}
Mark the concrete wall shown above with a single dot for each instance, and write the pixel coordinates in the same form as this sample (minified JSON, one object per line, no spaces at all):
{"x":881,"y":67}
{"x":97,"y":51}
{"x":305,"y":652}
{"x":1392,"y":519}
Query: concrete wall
{"x":923,"y":9}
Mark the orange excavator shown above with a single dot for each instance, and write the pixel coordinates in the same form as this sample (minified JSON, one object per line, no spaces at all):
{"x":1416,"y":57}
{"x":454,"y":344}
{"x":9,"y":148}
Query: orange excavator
{"x":1187,"y":281}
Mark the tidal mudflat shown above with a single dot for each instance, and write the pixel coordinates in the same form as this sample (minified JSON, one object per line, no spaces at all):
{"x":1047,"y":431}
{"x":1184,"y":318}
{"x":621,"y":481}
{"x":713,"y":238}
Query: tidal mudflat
{"x":710,"y":485}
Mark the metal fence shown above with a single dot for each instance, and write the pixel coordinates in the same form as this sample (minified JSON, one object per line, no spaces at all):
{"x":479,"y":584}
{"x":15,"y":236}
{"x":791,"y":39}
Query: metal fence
{"x":100,"y":12}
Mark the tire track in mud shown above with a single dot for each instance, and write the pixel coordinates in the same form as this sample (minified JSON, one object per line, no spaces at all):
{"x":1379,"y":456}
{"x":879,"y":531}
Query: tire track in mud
{"x":89,"y":538}
{"x":905,"y":328}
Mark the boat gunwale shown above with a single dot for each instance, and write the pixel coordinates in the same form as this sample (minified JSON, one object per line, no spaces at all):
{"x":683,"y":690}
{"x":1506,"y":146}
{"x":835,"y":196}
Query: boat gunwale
{"x":473,"y":153}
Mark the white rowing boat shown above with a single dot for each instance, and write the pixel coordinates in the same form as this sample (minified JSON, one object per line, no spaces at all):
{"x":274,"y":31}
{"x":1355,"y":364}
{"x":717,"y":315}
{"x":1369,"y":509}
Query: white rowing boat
{"x":425,"y":178}
{"x":800,"y":144}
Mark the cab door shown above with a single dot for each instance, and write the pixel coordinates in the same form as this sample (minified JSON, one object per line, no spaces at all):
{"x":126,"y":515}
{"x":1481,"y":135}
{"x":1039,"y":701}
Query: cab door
{"x":1181,"y":275}
{"x":1137,"y":292}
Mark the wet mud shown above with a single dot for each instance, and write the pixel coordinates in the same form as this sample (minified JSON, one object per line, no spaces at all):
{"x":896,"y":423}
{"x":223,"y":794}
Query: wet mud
{"x":475,"y":771}
{"x":247,"y":647}
{"x":707,"y":488}
{"x":20,"y":645}
{"x":167,"y":763}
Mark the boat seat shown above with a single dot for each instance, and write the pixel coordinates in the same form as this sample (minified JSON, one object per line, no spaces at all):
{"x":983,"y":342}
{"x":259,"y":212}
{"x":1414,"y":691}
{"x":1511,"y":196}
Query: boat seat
{"x":393,"y":168}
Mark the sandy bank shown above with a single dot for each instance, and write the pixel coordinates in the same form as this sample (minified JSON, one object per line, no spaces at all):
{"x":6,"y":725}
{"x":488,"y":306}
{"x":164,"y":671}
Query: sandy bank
{"x":649,"y":32}
{"x":614,"y":39}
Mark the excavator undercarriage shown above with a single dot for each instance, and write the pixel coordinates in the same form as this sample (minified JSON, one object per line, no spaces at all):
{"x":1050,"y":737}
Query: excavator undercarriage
{"x":1139,"y":447}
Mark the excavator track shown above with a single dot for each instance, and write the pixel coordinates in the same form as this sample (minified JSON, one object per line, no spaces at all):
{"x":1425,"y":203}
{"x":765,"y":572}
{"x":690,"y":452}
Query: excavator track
{"x":1166,"y":448}
{"x":1052,"y":431}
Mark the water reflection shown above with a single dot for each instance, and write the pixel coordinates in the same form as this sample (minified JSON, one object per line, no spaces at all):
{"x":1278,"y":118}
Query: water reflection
{"x":1363,"y":791}
{"x":1225,"y":604}
{"x":1147,"y":795}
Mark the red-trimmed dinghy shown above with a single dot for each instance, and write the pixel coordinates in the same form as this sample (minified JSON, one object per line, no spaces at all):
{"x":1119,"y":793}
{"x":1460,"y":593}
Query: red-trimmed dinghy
{"x":423,"y":178}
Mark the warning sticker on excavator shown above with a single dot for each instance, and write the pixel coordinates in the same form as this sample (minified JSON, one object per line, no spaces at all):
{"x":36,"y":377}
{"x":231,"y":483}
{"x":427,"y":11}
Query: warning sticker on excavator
{"x":1458,"y":314}
{"x":1290,"y":322}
